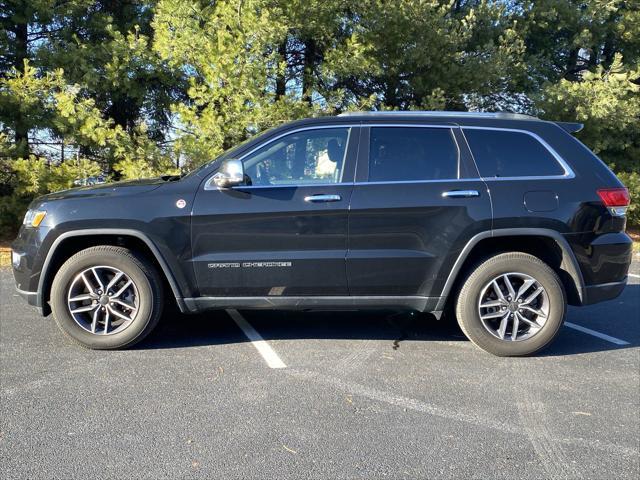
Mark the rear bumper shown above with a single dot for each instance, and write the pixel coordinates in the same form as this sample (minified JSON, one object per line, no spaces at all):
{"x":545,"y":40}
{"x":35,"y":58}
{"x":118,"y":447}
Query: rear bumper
{"x":599,"y":293}
{"x":604,"y":262}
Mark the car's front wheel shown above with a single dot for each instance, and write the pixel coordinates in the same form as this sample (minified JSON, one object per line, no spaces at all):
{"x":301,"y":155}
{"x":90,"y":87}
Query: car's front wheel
{"x":106,"y":297}
{"x":511,"y":304}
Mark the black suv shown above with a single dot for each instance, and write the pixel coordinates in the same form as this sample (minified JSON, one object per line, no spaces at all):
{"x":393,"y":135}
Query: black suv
{"x":502,"y":219}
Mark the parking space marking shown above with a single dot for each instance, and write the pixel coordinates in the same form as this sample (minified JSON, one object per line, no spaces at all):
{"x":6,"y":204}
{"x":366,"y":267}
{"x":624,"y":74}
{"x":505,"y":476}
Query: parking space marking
{"x":469,"y":417}
{"x":633,"y":275}
{"x":269,"y":354}
{"x":603,"y":336}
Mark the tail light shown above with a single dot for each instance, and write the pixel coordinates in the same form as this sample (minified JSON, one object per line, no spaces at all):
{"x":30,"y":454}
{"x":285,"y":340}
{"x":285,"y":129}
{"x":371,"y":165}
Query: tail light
{"x":615,"y":199}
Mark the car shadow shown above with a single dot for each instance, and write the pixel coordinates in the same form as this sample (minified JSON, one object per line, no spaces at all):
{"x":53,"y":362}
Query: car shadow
{"x":618,"y":318}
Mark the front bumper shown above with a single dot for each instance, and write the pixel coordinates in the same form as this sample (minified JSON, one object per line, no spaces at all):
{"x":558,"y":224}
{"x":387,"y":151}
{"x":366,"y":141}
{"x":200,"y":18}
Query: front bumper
{"x":31,"y":298}
{"x":26,"y":264}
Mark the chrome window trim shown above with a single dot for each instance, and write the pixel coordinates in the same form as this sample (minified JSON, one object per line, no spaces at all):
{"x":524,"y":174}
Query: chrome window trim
{"x":568,"y":172}
{"x":209,"y":185}
{"x":389,"y":182}
{"x":290,"y":185}
{"x":404,"y":182}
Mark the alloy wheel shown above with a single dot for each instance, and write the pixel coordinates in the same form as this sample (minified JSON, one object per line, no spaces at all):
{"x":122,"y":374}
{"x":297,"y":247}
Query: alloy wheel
{"x":513,"y":306}
{"x":103,"y":300}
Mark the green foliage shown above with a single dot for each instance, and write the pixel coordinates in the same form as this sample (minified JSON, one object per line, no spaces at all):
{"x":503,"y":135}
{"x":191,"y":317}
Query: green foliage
{"x":35,"y":177}
{"x":608,"y":102}
{"x":632,"y":181}
{"x":135,"y":88}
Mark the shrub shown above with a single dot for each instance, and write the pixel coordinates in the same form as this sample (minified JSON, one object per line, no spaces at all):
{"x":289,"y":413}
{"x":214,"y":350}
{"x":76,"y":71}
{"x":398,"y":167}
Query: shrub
{"x":632,"y":181}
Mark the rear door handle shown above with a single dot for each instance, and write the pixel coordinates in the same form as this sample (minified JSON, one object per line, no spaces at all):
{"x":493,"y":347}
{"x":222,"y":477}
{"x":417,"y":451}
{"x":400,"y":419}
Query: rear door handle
{"x":461,"y":193}
{"x":322,"y":198}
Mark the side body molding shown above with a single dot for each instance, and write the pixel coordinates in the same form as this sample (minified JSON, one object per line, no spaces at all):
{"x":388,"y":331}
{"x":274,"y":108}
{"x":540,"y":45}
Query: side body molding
{"x":110,"y":231}
{"x":569,"y":262}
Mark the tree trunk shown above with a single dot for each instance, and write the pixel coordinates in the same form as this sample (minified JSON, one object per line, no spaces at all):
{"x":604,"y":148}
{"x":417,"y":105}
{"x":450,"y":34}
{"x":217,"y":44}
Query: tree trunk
{"x":309,"y":66}
{"x":571,"y":72}
{"x":281,"y":79}
{"x":21,"y":127}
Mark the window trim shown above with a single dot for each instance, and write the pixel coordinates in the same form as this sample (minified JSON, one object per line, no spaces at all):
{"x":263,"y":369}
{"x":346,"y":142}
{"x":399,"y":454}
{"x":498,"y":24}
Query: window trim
{"x":568,"y":171}
{"x":210,"y":185}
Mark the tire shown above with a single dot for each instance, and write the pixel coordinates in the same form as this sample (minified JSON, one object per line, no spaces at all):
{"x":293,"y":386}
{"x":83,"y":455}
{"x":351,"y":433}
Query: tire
{"x":121,"y":321}
{"x":488,"y":333}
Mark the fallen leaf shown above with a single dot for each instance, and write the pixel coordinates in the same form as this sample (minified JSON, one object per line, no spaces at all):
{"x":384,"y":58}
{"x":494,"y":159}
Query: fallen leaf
{"x":288,"y":449}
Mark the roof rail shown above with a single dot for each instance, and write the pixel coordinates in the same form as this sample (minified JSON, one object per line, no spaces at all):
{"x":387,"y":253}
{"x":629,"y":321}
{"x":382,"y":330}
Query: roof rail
{"x":424,"y":113}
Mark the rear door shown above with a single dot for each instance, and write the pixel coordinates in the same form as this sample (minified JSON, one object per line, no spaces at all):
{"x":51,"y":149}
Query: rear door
{"x":286,"y":233}
{"x":417,"y":200}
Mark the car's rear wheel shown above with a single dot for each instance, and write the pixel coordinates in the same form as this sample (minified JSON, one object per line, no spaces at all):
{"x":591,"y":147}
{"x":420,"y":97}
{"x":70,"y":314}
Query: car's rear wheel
{"x":106,"y":297}
{"x":511,"y":304}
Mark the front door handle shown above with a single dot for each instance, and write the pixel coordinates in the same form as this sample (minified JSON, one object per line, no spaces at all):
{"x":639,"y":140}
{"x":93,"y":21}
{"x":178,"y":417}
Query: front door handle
{"x":322,"y":198}
{"x":461,"y":193}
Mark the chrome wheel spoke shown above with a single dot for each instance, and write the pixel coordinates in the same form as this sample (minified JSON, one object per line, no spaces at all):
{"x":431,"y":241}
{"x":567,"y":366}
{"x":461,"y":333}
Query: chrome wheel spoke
{"x":488,"y":316}
{"x":106,"y":321}
{"x":493,"y":303}
{"x":80,"y":298}
{"x":118,"y":314}
{"x":524,"y":319}
{"x":124,"y":304}
{"x":97,"y":277}
{"x":525,"y":286}
{"x":503,"y":326}
{"x":507,"y":282}
{"x":94,"y":322}
{"x":536,"y":311}
{"x":86,"y":282}
{"x":533,"y":296}
{"x":514,"y":327}
{"x":85,"y":308}
{"x":499,"y":293}
{"x":114,"y":280}
{"x":122,"y":289}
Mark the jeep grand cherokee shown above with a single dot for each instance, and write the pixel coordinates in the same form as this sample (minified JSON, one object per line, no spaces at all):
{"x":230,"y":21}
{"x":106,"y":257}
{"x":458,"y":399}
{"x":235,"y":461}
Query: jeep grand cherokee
{"x":501,"y":219}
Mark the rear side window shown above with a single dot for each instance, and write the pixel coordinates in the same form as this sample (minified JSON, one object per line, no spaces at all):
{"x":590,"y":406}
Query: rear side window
{"x":412,"y":153}
{"x":501,"y":153}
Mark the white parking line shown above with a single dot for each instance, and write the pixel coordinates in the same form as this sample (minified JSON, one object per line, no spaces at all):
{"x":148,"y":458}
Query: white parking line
{"x":603,"y":336}
{"x":268,"y":353}
{"x":633,"y":275}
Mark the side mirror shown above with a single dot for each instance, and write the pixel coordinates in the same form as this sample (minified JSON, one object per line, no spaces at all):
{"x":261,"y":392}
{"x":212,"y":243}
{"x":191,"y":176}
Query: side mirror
{"x":230,"y":174}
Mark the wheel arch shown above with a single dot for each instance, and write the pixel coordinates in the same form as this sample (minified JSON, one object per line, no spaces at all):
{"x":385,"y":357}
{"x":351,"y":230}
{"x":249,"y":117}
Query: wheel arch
{"x":69,"y":243}
{"x":548,"y":245}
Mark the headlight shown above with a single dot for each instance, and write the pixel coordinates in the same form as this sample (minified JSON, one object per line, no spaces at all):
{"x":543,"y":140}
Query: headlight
{"x":33,"y":218}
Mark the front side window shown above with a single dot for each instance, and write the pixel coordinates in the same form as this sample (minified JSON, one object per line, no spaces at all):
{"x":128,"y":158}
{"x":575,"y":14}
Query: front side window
{"x":412,"y":154}
{"x":504,"y":153}
{"x":300,"y":158}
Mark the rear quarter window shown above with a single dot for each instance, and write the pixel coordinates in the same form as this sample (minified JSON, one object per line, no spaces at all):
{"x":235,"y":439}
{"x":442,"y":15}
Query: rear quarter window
{"x":503,"y":153}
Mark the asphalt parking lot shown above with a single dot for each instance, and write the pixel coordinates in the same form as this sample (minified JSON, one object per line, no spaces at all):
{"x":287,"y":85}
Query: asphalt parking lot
{"x":325,"y":395}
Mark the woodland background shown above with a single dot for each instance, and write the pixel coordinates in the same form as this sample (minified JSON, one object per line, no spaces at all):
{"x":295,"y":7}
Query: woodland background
{"x":138,"y":88}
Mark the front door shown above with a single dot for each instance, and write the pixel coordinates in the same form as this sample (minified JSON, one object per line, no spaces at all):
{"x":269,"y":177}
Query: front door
{"x":285,"y":232}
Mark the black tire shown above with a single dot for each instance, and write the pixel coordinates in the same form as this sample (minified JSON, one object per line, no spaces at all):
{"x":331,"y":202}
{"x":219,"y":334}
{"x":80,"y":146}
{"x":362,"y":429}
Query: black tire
{"x":139,"y":270}
{"x":468,"y":315}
